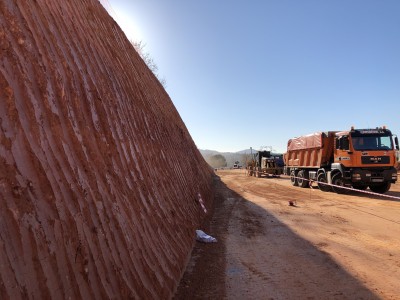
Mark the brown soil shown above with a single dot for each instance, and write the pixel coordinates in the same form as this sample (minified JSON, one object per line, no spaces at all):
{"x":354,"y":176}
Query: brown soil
{"x":99,"y":177}
{"x":327,"y":246}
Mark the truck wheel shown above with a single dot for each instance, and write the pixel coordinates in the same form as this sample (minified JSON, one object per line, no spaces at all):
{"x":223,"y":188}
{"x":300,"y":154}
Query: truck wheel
{"x":293,"y":178}
{"x":381,"y":189}
{"x":321,"y":180}
{"x":338,"y":182}
{"x":302,"y":178}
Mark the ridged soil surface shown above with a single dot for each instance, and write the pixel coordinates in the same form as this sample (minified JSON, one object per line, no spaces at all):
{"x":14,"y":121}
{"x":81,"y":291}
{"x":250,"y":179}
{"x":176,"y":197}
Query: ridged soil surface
{"x":99,"y":177}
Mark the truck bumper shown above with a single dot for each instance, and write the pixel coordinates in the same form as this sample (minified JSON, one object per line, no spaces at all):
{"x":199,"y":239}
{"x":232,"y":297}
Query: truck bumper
{"x":374,"y":176}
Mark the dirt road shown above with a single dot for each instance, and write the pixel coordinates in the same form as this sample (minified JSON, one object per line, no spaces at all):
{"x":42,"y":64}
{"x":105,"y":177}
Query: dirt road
{"x":327,"y":246}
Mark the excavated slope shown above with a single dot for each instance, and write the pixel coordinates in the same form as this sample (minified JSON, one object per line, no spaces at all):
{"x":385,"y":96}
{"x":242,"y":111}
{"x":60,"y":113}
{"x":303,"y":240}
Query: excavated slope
{"x":99,"y":177}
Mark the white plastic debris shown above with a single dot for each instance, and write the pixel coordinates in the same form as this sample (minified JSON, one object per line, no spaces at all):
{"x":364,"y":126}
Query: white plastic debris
{"x":201,"y":236}
{"x":202,"y":203}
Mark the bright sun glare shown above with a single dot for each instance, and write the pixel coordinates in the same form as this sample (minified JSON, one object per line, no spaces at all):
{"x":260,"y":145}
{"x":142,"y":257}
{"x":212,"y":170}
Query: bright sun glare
{"x":127,"y":24}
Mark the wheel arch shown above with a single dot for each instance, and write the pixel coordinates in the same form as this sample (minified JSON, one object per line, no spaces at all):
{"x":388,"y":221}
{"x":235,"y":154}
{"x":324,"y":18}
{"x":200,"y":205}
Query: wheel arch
{"x":321,"y":171}
{"x":336,"y":167}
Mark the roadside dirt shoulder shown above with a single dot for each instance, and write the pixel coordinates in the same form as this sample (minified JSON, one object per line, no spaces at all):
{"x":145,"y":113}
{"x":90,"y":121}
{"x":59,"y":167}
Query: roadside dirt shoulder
{"x":327,"y":246}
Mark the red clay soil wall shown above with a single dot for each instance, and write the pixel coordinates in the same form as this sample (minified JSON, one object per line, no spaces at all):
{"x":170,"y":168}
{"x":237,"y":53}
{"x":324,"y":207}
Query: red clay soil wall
{"x":98,"y":174}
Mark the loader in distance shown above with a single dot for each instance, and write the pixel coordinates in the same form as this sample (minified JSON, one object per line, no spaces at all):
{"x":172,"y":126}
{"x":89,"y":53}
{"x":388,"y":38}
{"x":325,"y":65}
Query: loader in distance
{"x":265,"y":163}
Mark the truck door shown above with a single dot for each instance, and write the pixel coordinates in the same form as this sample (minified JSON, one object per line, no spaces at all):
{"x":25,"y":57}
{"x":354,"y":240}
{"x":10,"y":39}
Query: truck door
{"x":342,"y":151}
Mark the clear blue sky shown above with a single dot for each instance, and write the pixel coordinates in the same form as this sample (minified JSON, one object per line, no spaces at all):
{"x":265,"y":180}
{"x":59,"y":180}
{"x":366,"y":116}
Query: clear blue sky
{"x":257,"y":73}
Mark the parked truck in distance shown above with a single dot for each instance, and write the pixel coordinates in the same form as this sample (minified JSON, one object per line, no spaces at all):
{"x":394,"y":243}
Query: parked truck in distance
{"x":265,"y":163}
{"x":358,"y":158}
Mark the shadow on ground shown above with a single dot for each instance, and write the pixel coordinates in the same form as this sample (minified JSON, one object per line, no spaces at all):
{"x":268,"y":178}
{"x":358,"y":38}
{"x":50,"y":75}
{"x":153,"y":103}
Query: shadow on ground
{"x":210,"y":273}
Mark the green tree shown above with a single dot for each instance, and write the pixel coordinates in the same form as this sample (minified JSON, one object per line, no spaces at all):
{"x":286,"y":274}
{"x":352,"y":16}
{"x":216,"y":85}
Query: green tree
{"x":217,"y":161}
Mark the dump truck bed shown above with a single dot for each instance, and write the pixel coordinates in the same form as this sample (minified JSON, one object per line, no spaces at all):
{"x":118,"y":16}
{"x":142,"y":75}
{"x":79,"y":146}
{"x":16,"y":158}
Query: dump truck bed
{"x":310,"y":151}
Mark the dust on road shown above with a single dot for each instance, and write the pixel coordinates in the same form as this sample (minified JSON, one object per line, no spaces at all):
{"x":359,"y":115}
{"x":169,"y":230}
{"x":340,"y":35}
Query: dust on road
{"x":328,"y":246}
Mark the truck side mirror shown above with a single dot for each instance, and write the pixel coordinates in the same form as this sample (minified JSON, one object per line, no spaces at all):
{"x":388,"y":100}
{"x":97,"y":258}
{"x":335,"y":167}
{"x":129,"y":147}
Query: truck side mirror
{"x":396,"y":141}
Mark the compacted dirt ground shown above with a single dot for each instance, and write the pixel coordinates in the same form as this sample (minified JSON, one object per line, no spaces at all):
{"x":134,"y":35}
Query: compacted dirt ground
{"x":326,"y":246}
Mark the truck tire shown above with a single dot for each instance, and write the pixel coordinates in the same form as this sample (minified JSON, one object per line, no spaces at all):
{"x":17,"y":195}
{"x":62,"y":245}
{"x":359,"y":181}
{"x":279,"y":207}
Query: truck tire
{"x":302,"y":178}
{"x":321,"y":180}
{"x":338,"y":182}
{"x":293,"y":178}
{"x":381,"y":189}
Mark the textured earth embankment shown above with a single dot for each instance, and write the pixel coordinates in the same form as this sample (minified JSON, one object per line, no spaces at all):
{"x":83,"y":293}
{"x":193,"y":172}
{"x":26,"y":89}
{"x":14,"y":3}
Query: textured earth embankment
{"x":99,"y":177}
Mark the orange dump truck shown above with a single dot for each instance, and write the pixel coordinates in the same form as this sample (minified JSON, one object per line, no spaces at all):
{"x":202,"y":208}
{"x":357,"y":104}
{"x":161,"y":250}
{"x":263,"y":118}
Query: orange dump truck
{"x":359,"y":158}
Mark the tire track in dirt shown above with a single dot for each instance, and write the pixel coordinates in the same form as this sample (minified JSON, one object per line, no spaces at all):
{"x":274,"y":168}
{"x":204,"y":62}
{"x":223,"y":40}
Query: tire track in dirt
{"x":339,"y":226}
{"x":320,"y":249}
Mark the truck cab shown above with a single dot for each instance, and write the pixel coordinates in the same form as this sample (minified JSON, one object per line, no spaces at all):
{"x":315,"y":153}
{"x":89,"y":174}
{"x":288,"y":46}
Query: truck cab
{"x":365,"y":158}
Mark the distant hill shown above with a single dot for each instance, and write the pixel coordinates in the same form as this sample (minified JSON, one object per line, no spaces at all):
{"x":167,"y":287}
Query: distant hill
{"x":231,"y":157}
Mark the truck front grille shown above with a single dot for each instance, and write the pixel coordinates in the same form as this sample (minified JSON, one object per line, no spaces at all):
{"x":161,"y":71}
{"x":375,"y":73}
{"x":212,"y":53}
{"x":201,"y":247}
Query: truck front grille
{"x":376,"y":160}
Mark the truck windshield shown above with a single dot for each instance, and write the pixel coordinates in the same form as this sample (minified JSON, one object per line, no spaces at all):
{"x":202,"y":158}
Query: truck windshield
{"x":372,"y":142}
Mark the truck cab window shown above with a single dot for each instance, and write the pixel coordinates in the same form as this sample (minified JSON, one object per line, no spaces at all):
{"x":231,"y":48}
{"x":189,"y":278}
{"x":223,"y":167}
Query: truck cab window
{"x":372,"y":142}
{"x":385,"y":143}
{"x":345,"y":143}
{"x":342,"y":143}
